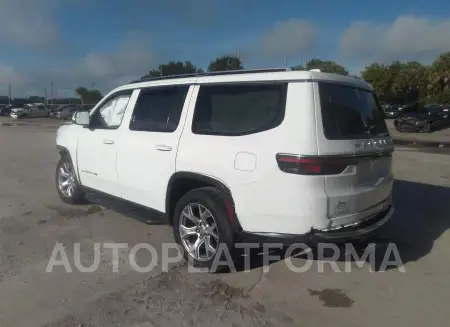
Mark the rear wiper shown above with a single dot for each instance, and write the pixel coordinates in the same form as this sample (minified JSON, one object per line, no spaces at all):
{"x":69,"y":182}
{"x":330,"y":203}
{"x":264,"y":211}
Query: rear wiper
{"x":369,"y":131}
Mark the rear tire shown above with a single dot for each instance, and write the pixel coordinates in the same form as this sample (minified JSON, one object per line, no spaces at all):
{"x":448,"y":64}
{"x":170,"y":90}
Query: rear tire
{"x":202,"y":229}
{"x":427,"y":128}
{"x":67,"y":185}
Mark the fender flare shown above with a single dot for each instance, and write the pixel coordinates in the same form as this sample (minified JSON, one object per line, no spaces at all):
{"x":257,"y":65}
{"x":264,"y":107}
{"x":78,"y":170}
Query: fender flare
{"x":63,"y":151}
{"x":207,"y":180}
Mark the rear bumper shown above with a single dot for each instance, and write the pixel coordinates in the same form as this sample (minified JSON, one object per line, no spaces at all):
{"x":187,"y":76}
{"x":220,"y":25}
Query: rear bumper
{"x":360,"y":229}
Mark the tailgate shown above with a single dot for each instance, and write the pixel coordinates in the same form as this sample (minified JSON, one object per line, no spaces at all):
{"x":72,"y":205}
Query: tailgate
{"x":351,"y":130}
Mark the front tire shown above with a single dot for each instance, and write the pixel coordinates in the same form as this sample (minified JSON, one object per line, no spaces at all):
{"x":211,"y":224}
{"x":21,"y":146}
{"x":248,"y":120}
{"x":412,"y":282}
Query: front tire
{"x":202,"y":229}
{"x":67,"y":185}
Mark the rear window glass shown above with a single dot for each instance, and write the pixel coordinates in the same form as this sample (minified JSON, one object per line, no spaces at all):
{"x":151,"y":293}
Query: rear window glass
{"x":235,"y":110}
{"x":350,"y":112}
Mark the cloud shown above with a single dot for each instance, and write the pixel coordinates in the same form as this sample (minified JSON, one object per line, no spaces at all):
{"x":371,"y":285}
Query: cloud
{"x":9,"y":74}
{"x":289,"y":38}
{"x":28,"y":23}
{"x":130,"y":59}
{"x":407,"y":38}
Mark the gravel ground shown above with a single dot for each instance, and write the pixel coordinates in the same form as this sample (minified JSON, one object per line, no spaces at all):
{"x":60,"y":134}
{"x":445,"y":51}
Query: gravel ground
{"x":33,"y":220}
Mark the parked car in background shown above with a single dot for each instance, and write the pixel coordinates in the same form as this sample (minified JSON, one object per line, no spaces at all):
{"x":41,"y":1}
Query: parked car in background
{"x":429,"y":118}
{"x":66,"y":112}
{"x":435,"y":108}
{"x":6,"y":110}
{"x":86,"y":107}
{"x":30,"y":110}
{"x":52,"y":107}
{"x":58,"y":108}
{"x":80,"y":108}
{"x":392,"y":111}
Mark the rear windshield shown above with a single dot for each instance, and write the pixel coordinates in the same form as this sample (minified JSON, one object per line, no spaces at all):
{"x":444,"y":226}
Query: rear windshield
{"x":350,"y":112}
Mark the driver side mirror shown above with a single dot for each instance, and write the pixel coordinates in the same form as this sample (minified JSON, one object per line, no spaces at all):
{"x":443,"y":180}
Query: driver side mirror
{"x":81,"y":118}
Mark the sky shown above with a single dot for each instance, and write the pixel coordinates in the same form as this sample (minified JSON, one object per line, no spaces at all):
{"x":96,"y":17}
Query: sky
{"x":59,"y":45}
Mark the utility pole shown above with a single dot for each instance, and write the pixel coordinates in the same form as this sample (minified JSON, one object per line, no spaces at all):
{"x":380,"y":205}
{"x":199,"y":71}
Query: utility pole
{"x":45,"y":96}
{"x":51,"y":91}
{"x":9,"y":93}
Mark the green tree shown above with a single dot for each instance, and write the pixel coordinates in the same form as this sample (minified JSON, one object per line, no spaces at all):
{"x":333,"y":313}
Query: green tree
{"x":225,"y":63}
{"x":409,"y":80}
{"x":298,"y":67}
{"x":174,"y":68}
{"x":87,"y":96}
{"x":326,"y":66}
{"x":378,"y":75}
{"x":35,"y":99}
{"x":439,"y":79}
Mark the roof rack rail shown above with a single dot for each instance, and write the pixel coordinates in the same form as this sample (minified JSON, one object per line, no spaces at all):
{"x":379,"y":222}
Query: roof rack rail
{"x":248,"y":71}
{"x":218,"y":73}
{"x":148,"y":79}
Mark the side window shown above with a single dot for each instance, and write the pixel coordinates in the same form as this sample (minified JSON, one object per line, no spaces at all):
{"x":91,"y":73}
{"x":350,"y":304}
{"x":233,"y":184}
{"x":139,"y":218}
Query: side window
{"x":159,"y":109}
{"x":235,"y":110}
{"x":111,"y":111}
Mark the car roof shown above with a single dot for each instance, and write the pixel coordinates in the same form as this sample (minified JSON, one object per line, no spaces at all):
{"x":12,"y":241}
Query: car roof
{"x":245,"y":76}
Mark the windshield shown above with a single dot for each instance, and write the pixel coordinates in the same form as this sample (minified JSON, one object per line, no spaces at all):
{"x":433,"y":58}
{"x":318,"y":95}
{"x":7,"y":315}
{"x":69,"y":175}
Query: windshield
{"x":350,"y":113}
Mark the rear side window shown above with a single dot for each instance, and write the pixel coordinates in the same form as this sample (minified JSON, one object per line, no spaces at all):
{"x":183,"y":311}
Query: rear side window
{"x":350,"y":113}
{"x":235,"y":110}
{"x":159,"y":109}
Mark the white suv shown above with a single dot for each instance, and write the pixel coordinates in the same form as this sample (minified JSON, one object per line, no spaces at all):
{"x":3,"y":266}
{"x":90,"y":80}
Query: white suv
{"x":273,"y":154}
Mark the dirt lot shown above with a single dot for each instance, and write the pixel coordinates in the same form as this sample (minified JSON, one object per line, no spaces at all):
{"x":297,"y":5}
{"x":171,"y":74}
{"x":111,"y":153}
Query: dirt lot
{"x":33,"y":220}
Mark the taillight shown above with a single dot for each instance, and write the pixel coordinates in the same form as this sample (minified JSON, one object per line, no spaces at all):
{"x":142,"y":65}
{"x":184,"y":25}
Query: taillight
{"x":313,"y":165}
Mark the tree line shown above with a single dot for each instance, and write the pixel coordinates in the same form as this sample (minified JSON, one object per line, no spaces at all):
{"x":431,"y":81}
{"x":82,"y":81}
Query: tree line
{"x":397,"y":82}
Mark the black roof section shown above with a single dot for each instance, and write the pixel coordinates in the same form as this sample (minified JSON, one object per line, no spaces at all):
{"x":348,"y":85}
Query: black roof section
{"x":225,"y":72}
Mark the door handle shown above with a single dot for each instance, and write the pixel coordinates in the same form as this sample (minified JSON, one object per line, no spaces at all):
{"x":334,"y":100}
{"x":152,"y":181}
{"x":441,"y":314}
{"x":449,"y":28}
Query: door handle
{"x":108,"y":142}
{"x":162,"y":147}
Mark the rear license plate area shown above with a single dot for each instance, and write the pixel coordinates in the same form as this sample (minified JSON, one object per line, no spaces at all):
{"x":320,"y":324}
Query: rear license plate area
{"x":371,"y":170}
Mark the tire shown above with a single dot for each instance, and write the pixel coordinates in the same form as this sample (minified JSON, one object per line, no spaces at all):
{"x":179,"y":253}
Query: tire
{"x":427,"y":128}
{"x":76,"y":196}
{"x":208,"y":198}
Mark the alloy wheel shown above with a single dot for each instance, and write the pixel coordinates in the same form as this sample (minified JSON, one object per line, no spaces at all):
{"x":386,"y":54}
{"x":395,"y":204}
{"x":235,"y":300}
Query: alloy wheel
{"x":66,"y":179}
{"x":199,"y":232}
